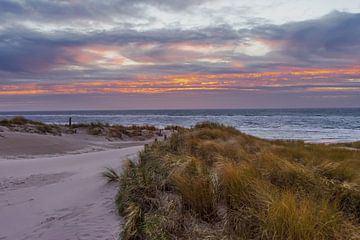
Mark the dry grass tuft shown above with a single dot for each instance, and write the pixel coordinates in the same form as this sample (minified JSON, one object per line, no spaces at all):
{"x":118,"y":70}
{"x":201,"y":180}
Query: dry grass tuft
{"x":197,"y":188}
{"x":111,"y":175}
{"x":294,"y":218}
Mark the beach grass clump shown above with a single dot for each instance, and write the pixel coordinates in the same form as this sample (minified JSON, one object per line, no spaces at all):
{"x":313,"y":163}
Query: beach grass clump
{"x":18,"y":121}
{"x":48,"y":129}
{"x":111,"y":175}
{"x":348,"y":198}
{"x":142,"y":184}
{"x":174,"y":128}
{"x":350,"y":145}
{"x":22,"y":124}
{"x":214,"y":182}
{"x":288,"y":175}
{"x":340,"y":171}
{"x":117,"y":130}
{"x":294,"y":218}
{"x":245,"y":197}
{"x":198,"y":189}
{"x":95,"y":128}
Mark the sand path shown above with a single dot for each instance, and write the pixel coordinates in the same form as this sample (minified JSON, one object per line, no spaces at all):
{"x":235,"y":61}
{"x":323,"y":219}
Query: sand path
{"x":60,"y":198}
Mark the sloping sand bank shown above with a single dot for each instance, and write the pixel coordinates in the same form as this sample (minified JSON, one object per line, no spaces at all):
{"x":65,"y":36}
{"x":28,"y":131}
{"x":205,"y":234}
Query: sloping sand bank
{"x":28,"y":144}
{"x":60,"y":197}
{"x":20,"y":145}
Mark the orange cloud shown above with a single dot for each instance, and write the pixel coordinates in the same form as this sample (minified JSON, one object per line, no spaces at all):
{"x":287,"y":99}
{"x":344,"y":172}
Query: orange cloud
{"x":150,"y":84}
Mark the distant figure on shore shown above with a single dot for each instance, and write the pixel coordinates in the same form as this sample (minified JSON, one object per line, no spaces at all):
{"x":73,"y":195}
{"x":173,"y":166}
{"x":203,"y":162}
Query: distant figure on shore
{"x":69,"y":121}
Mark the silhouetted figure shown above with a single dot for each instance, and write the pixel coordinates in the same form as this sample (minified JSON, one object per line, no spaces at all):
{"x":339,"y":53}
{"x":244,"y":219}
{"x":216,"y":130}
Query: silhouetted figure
{"x":69,"y":121}
{"x":165,"y":137}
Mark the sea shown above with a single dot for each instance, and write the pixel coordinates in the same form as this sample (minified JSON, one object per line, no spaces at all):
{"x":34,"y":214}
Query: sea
{"x":310,"y":125}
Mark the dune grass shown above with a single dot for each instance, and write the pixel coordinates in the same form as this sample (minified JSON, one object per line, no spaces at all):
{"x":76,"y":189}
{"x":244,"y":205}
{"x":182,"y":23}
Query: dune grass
{"x":19,"y":121}
{"x":116,"y":130}
{"x":140,"y":132}
{"x":350,"y":144}
{"x":214,"y":182}
{"x":111,"y":175}
{"x":37,"y":127}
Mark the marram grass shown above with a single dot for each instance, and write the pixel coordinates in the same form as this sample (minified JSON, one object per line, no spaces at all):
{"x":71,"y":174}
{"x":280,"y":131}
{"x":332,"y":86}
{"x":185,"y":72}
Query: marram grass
{"x":214,"y":182}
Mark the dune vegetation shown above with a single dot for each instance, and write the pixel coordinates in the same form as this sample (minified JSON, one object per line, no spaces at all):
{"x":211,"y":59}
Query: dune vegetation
{"x":214,"y":182}
{"x":116,"y":130}
{"x":22,"y":124}
{"x":138,"y":132}
{"x":18,"y":121}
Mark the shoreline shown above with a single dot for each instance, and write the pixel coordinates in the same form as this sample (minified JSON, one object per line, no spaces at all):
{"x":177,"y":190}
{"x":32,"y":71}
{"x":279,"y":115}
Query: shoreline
{"x":111,"y":132}
{"x":319,"y":125}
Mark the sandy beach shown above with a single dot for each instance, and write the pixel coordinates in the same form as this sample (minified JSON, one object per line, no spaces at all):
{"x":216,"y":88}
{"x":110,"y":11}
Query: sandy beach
{"x":19,"y":144}
{"x":51,"y":186}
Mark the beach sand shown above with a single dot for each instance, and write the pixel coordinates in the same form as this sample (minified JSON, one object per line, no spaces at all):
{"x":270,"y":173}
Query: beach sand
{"x":15,"y":145}
{"x":49,"y":192}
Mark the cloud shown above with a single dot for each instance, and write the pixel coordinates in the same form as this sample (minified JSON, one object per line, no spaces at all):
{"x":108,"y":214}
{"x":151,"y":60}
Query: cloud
{"x":65,"y":10}
{"x":331,"y":40}
{"x":113,"y":48}
{"x":28,"y":50}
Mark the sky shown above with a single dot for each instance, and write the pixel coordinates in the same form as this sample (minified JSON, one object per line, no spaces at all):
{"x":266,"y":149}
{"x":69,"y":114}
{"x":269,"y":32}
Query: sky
{"x":170,"y":54}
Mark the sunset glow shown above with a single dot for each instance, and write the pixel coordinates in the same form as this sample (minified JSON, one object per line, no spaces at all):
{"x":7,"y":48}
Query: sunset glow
{"x":179,"y":50}
{"x":196,"y":82}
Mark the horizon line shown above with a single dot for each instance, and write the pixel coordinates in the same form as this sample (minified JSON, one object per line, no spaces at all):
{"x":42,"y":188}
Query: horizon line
{"x":183,"y":109}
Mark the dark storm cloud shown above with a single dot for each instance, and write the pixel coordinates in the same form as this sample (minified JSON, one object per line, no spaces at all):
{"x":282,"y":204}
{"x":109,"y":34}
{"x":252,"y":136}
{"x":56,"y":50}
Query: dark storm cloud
{"x":24,"y":49}
{"x":334,"y":38}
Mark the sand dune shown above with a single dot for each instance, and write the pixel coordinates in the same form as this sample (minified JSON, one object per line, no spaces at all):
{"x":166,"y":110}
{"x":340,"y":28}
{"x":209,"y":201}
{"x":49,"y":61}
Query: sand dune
{"x":21,"y":144}
{"x":60,"y":197}
{"x":29,"y":145}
